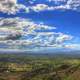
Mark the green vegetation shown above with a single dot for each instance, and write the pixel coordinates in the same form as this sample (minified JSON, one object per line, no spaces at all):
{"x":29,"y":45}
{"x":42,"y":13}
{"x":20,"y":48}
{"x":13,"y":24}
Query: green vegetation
{"x":38,"y":67}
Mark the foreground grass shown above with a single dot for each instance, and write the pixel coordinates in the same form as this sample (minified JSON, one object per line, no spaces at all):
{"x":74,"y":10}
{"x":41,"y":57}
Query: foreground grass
{"x":30,"y":67}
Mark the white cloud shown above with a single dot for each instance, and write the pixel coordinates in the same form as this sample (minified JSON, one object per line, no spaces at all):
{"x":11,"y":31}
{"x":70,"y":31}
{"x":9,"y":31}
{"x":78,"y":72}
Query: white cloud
{"x":39,"y":7}
{"x":21,"y":32}
{"x":8,"y":6}
{"x":20,"y":25}
{"x":60,"y":5}
{"x":72,"y":46}
{"x":12,"y":7}
{"x":63,"y":37}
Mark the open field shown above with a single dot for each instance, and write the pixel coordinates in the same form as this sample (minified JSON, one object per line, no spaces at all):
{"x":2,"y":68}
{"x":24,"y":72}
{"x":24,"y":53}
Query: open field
{"x":39,"y":67}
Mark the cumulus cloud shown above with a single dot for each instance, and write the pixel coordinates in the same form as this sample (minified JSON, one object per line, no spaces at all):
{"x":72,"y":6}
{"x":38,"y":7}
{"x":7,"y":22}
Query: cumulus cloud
{"x":62,"y":37}
{"x":22,"y":33}
{"x":51,"y":38}
{"x":39,"y":7}
{"x":12,"y":6}
{"x":19,"y":26}
{"x":58,"y":5}
{"x":8,"y":6}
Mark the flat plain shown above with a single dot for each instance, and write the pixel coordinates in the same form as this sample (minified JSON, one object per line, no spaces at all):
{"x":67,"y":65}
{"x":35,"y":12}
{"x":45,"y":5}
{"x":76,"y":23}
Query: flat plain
{"x":39,"y":67}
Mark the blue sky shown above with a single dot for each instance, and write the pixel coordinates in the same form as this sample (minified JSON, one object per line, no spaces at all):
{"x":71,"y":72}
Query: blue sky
{"x":57,"y":24}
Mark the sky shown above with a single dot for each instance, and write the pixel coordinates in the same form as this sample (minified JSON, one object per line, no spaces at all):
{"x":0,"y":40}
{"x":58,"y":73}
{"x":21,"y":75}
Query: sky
{"x":39,"y":25}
